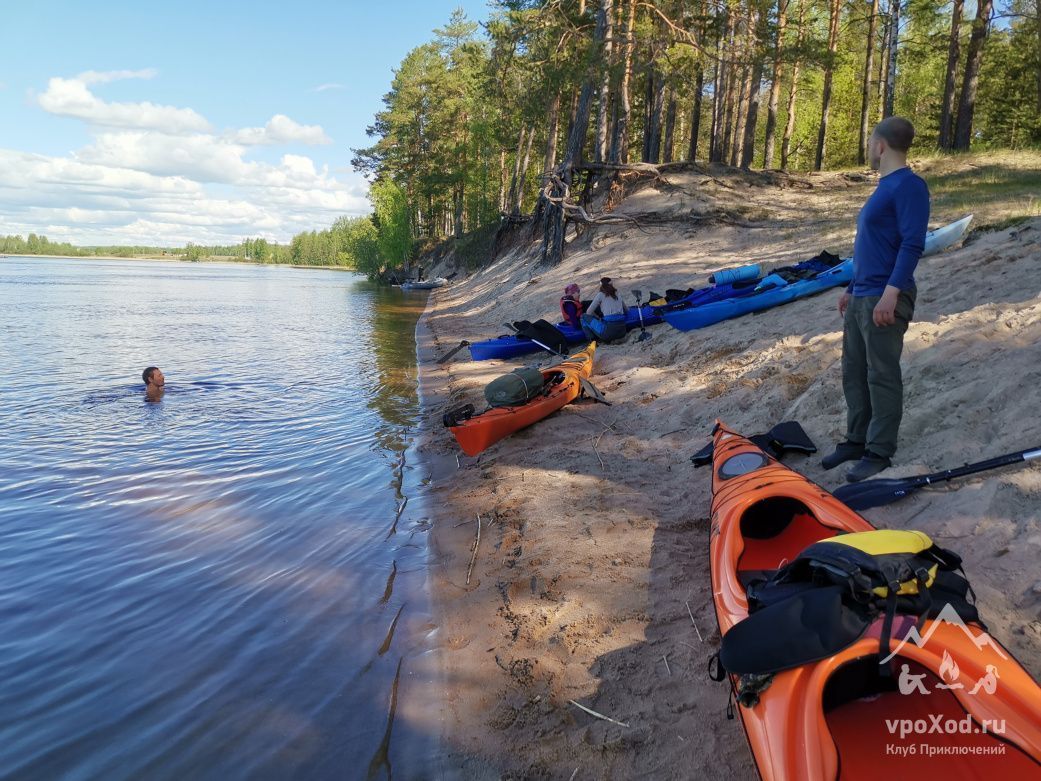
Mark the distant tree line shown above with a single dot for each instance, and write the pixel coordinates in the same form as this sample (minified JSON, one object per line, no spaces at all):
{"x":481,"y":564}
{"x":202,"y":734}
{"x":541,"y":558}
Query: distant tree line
{"x":351,"y":242}
{"x":35,"y":244}
{"x":561,"y":94}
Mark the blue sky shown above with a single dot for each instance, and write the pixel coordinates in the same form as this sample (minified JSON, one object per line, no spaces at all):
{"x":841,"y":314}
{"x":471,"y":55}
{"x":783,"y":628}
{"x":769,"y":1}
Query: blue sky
{"x":147,"y":123}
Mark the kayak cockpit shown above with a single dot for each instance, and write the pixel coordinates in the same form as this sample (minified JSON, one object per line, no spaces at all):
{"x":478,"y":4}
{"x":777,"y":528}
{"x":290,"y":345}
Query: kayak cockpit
{"x":881,"y":733}
{"x":774,"y":531}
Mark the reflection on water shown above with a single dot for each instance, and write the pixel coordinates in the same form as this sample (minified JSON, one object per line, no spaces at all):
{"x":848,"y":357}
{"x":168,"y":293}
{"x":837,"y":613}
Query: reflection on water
{"x":215,"y":585}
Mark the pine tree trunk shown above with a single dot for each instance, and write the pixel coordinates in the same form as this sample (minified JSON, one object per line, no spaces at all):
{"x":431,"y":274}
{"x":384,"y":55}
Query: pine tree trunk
{"x":552,"y":221}
{"x":775,"y":85}
{"x":670,"y":127}
{"x":894,"y":47}
{"x":1037,"y":4}
{"x":730,"y":90}
{"x":502,"y":182}
{"x":695,"y":116}
{"x":625,"y":114}
{"x":648,"y":110}
{"x":605,"y":86}
{"x":552,"y":132}
{"x":571,"y":116}
{"x":730,"y":74}
{"x":512,"y":199}
{"x":654,"y":123}
{"x":973,"y":60}
{"x":745,"y":87}
{"x":518,"y":204}
{"x":829,"y":73}
{"x":748,"y":152}
{"x":789,"y":125}
{"x":612,"y":151}
{"x":950,"y":82}
{"x":865,"y":98}
{"x":883,"y":70}
{"x":715,"y":145}
{"x":740,"y":115}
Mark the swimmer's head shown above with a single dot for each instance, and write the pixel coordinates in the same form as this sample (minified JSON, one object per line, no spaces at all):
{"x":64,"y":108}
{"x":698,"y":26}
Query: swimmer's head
{"x":153,"y":377}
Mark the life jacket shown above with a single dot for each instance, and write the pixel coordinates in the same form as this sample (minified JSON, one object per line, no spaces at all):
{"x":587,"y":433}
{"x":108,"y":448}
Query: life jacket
{"x":563,"y":311}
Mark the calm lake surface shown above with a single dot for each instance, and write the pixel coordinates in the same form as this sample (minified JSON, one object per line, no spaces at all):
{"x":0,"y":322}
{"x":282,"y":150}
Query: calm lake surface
{"x":218,"y":585}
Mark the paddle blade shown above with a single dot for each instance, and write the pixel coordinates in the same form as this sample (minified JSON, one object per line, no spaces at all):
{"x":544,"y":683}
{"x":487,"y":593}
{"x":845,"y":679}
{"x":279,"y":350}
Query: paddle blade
{"x":644,"y":336}
{"x":873,"y":493}
{"x":592,"y":392}
{"x":791,"y":437}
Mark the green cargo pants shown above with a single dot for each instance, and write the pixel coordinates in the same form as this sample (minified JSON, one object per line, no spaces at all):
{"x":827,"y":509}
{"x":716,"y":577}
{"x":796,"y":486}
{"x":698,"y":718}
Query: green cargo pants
{"x":871,"y":379}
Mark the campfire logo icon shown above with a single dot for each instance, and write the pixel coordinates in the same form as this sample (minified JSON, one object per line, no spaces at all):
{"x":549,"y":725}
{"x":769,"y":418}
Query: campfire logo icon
{"x":949,"y":672}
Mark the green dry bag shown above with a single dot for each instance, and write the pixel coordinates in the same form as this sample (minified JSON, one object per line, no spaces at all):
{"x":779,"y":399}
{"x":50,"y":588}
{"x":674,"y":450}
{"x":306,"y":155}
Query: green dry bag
{"x":518,"y":387}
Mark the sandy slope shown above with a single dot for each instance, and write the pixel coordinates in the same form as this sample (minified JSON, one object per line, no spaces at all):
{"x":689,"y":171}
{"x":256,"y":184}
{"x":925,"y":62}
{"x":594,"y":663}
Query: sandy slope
{"x":585,"y":569}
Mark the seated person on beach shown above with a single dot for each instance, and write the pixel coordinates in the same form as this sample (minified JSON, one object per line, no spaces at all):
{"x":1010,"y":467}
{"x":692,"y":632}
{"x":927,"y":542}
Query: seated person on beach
{"x":571,"y":306}
{"x":605,"y":319}
{"x":155,"y":382}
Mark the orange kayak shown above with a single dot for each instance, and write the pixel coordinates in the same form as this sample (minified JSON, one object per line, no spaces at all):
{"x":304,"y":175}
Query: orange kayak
{"x":835,"y":718}
{"x":563,"y":385}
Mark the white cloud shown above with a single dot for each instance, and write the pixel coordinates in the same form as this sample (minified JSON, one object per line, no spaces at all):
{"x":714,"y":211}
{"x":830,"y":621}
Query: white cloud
{"x":327,"y":87}
{"x":158,"y":175}
{"x":280,"y":129}
{"x":102,"y":77}
{"x":72,"y":98}
{"x":200,"y":157}
{"x":71,"y":199}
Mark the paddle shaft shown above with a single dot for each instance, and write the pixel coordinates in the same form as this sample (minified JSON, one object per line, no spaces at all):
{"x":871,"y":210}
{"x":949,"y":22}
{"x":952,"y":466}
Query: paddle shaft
{"x":971,"y":469}
{"x":547,"y":347}
{"x":453,"y":351}
{"x":875,"y":493}
{"x":639,"y":311}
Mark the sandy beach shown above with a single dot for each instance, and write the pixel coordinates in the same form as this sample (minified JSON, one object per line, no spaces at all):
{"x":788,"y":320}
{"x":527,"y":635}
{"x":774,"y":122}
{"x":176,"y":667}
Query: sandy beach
{"x":591,"y":579}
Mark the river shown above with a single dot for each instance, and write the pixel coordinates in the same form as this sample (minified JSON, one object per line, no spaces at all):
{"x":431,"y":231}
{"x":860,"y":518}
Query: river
{"x":229,"y":583}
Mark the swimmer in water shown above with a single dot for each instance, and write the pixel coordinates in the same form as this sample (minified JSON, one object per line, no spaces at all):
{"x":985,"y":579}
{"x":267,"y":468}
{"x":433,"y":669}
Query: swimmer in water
{"x":155,"y":382}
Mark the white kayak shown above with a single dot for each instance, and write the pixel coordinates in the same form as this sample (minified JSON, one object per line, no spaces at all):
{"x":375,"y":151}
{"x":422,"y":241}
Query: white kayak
{"x":946,"y":237}
{"x":428,"y":284}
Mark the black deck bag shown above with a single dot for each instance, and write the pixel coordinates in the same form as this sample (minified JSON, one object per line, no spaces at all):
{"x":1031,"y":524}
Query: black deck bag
{"x":544,"y":332}
{"x":828,"y":596}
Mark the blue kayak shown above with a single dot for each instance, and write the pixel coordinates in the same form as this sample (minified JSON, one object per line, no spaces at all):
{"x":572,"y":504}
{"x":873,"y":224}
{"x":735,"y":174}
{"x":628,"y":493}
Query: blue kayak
{"x":511,"y":345}
{"x":783,"y":286}
{"x":770,"y":292}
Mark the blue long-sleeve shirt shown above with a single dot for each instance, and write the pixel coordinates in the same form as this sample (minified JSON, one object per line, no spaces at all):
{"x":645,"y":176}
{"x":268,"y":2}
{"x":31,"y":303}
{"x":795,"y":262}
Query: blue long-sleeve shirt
{"x":890,"y":234}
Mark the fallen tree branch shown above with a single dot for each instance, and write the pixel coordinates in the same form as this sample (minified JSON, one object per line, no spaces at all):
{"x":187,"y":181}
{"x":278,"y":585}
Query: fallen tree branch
{"x":592,"y":712}
{"x":473,"y":558}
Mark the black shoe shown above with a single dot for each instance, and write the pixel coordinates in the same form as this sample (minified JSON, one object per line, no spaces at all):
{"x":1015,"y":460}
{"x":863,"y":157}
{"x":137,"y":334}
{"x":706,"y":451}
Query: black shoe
{"x":844,"y":451}
{"x":868,"y":466}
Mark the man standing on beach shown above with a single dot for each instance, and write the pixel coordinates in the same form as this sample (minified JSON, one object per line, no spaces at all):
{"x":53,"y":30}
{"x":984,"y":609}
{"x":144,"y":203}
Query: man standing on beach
{"x":879,"y":303}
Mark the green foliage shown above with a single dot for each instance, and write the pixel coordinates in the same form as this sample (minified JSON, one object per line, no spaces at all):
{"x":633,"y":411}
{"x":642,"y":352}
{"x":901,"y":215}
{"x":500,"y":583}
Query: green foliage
{"x":391,"y":217}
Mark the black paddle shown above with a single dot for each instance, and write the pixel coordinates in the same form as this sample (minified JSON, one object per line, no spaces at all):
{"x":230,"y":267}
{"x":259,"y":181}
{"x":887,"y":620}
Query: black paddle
{"x":644,"y":336}
{"x":444,"y":358}
{"x":875,"y":493}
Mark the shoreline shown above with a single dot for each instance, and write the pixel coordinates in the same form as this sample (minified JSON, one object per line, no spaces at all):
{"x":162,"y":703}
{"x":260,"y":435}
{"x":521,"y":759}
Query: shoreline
{"x":596,"y":541}
{"x":183,"y":260}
